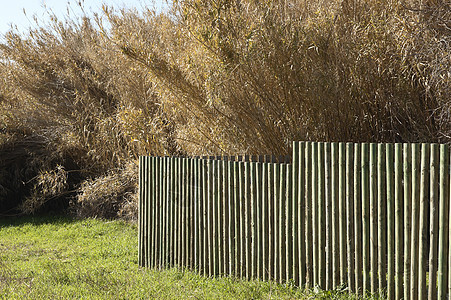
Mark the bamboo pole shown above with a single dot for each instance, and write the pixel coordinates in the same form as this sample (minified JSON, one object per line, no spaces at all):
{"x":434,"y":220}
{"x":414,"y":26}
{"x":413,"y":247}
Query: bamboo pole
{"x":365,"y":217}
{"x":398,"y":222}
{"x":231,"y":215}
{"x":242,"y":221}
{"x":300,"y":203}
{"x":265,"y":222}
{"x":390,"y":221}
{"x":219,"y":219}
{"x":140,"y":212}
{"x":382,"y":219}
{"x":443,"y":246}
{"x":289,"y":224}
{"x":210,"y":210}
{"x":295,"y":212}
{"x":259,"y":220}
{"x":314,"y":207}
{"x":308,"y":216}
{"x":342,"y":212}
{"x":335,"y":221}
{"x":205,"y":248}
{"x":171,"y":211}
{"x":253,"y":220}
{"x":433,"y":220}
{"x":160,"y":213}
{"x":422,"y":253}
{"x":166,"y":212}
{"x":350,"y":215}
{"x":358,"y":220}
{"x":281,"y":222}
{"x":321,"y":218}
{"x":276,"y":221}
{"x":237,"y":201}
{"x":407,"y":181}
{"x":415,"y":220}
{"x":373,"y":218}
{"x":328,"y":201}
{"x":225,"y":216}
{"x":270,"y":212}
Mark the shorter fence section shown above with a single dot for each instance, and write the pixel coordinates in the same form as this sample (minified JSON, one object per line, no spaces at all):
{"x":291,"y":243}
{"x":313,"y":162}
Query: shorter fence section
{"x":371,"y":217}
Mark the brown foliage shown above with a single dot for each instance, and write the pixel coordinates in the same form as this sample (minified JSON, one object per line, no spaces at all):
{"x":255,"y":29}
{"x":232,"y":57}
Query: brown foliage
{"x":220,"y":77}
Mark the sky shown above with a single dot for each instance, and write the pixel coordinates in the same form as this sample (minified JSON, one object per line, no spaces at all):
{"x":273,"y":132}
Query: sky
{"x":12,"y":11}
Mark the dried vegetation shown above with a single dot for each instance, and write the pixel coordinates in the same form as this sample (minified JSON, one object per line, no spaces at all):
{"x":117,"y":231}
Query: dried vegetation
{"x":80,"y":100}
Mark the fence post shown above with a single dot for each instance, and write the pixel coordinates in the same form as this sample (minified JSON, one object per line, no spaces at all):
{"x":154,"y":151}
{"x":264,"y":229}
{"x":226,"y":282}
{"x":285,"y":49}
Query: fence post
{"x":422,"y":291}
{"x":398,"y":221}
{"x":365,"y":217}
{"x":358,"y":220}
{"x":381,"y":219}
{"x":433,"y":220}
{"x":407,"y":180}
{"x":443,"y":271}
{"x":350,"y":215}
{"x":415,"y":220}
{"x":373,"y":217}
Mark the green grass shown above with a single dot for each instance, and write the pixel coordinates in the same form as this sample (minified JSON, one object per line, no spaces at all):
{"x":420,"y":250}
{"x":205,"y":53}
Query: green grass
{"x":62,"y":258}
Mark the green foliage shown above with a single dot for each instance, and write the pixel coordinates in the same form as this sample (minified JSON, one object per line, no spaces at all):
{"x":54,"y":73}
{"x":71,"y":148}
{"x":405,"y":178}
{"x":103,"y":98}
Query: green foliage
{"x":211,"y":77}
{"x":61,"y":258}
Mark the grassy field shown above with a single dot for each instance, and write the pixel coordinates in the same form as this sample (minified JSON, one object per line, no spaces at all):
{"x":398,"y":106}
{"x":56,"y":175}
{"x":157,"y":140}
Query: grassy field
{"x":62,"y":258}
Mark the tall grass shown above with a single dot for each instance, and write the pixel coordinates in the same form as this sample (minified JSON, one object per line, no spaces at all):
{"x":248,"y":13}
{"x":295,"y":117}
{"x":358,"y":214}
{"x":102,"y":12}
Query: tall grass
{"x":86,"y":97}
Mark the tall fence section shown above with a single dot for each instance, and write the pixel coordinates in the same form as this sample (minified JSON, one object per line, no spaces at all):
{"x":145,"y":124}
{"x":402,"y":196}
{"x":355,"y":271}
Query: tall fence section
{"x":370,"y":217}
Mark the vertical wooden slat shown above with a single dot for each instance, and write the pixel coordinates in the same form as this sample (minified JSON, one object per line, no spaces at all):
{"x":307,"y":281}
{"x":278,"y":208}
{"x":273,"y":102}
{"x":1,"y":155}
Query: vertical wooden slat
{"x":247,"y":224}
{"x":210,"y":216}
{"x":365,"y":217}
{"x":191,"y":213}
{"x":295,"y":208}
{"x":219,"y":219}
{"x":443,"y":244}
{"x":423,"y":230}
{"x":196,"y":201}
{"x":140,"y":212}
{"x":314,"y":207}
{"x":242,"y":236}
{"x":342,"y":212}
{"x":270,"y":212}
{"x":276,"y":222}
{"x":166,"y":212}
{"x":205,"y":198}
{"x":289,"y":224}
{"x":308,"y":216}
{"x":350,"y":215}
{"x":253,"y":219}
{"x":358,"y":220}
{"x":225,"y":216}
{"x":216,"y":231}
{"x":160,"y":224}
{"x":281,"y":222}
{"x":398,"y":222}
{"x":171,"y":211}
{"x":259,"y":220}
{"x":328,"y":201}
{"x":433,"y":220}
{"x":415,"y":220}
{"x":237,"y":201}
{"x":321,"y":218}
{"x":265,"y":221}
{"x":390,"y":221}
{"x":407,"y":187}
{"x":449,"y":236}
{"x":373,"y":217}
{"x":335,"y":221}
{"x":231,"y":215}
{"x":381,"y":219}
{"x":301,"y":213}
{"x":150,"y":195}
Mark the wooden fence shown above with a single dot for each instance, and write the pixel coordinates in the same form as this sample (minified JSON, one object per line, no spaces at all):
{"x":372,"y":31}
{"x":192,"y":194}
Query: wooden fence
{"x":370,"y":217}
